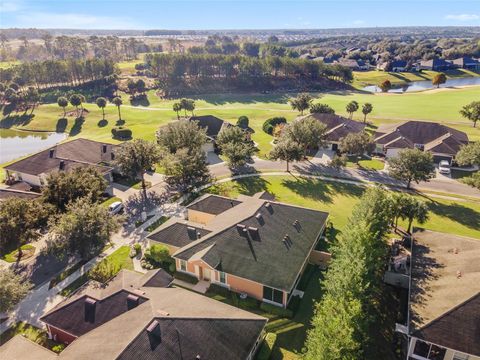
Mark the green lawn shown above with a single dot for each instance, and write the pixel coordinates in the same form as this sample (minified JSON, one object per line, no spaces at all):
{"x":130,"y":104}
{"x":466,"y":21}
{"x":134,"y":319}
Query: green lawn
{"x":375,"y":77}
{"x":366,"y":164}
{"x":437,"y":105}
{"x":449,"y":216}
{"x":31,"y":332}
{"x":110,"y":201}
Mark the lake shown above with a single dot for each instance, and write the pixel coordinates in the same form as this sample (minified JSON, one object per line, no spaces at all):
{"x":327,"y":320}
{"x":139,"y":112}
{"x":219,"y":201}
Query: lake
{"x":427,"y":84}
{"x":15,"y":144}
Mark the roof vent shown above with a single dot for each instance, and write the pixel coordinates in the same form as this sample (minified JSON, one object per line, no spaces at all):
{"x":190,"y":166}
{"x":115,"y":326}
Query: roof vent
{"x":61,"y":165}
{"x":154,"y":334}
{"x":104,"y":148}
{"x":90,"y":305}
{"x":132,"y":301}
{"x":260,"y":219}
{"x":241,"y":228}
{"x":269,"y":207}
{"x":192,"y":232}
{"x":296,"y":225}
{"x":51,"y":153}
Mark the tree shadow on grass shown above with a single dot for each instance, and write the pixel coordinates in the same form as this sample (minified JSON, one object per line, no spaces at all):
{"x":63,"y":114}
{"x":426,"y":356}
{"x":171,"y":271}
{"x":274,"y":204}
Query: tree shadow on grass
{"x":321,"y":190}
{"x":77,"y":126}
{"x":457,"y":212}
{"x":61,"y":125}
{"x":16,"y":120}
{"x":102,"y":123}
{"x":120,"y":122}
{"x":252,"y":185}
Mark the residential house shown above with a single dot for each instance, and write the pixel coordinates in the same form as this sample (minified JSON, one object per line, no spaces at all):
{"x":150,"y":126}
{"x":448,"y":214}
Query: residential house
{"x":444,"y":306}
{"x":394,"y":66}
{"x":337,"y":128}
{"x":35,"y":168}
{"x":442,"y":141}
{"x":137,"y":316}
{"x":20,"y":190}
{"x":354,"y":64}
{"x":249,"y":245}
{"x":436,"y":64}
{"x":467,"y":63}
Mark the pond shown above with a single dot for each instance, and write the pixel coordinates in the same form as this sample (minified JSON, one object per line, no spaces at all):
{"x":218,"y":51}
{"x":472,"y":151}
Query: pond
{"x":15,"y":144}
{"x":427,"y":84}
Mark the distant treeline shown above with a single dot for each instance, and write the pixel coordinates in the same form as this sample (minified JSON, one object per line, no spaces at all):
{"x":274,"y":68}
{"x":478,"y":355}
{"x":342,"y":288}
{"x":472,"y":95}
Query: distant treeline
{"x":240,"y":72}
{"x":58,"y":72}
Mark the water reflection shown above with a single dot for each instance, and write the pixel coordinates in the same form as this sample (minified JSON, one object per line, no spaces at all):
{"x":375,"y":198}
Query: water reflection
{"x":426,"y":84}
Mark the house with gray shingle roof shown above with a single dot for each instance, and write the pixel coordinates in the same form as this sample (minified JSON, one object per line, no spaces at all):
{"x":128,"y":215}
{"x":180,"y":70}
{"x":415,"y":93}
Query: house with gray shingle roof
{"x":250,"y":245}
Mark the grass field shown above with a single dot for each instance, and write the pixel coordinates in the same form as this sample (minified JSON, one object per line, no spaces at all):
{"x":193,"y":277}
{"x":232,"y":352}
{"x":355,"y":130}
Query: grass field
{"x":448,"y":216}
{"x":375,"y":77}
{"x":436,"y":105}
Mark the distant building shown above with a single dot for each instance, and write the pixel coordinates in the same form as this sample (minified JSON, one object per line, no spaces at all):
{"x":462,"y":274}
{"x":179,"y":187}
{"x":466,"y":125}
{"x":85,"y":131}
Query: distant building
{"x":35,"y":168}
{"x":442,"y":141}
{"x":467,"y":63}
{"x":436,"y":64}
{"x":394,"y":66}
{"x":354,"y":64}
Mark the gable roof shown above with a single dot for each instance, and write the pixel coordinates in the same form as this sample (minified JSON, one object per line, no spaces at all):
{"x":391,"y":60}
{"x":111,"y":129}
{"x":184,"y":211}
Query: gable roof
{"x":12,"y":193}
{"x":277,"y":241}
{"x":20,"y":348}
{"x":445,"y":274}
{"x":210,"y":123}
{"x":429,"y":134}
{"x":69,"y":155}
{"x":177,"y":234}
{"x":457,"y":329}
{"x":213,"y":204}
{"x":337,"y":126}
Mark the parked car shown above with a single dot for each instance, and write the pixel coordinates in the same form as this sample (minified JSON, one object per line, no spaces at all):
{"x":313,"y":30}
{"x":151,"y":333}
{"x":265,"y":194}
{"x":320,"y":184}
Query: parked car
{"x":444,"y":167}
{"x":115,"y":208}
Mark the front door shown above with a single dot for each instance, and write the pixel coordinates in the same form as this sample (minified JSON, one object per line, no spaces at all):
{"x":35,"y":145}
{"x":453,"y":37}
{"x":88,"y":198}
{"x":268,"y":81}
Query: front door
{"x":206,"y":274}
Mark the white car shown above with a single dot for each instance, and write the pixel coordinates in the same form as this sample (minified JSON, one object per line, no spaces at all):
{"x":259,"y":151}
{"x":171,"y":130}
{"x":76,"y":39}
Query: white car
{"x":115,"y":207}
{"x":444,"y":167}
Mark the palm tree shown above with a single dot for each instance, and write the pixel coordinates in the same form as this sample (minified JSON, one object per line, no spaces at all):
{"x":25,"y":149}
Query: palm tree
{"x":101,"y":103}
{"x":366,"y":109}
{"x":177,"y":107}
{"x":118,"y":102}
{"x":351,"y":107}
{"x":63,"y":103}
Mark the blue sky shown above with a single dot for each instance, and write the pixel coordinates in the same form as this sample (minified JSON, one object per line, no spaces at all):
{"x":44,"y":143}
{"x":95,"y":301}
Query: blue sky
{"x":240,"y":14}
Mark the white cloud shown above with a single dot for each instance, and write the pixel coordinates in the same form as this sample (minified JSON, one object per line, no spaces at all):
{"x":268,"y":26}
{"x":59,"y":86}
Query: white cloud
{"x":462,"y":17}
{"x":10,"y":6}
{"x":73,"y":21}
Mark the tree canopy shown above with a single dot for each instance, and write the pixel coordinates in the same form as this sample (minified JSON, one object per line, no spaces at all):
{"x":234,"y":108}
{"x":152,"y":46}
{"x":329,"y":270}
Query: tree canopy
{"x":412,"y":165}
{"x":357,"y":143}
{"x":181,"y":134}
{"x":469,"y":154}
{"x":471,"y":112}
{"x":307,"y":132}
{"x":319,"y":108}
{"x":439,"y":79}
{"x":286,"y":149}
{"x":13,"y":288}
{"x":301,"y":102}
{"x":233,"y":143}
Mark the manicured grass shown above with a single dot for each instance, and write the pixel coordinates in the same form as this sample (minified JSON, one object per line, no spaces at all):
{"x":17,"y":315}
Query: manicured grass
{"x":31,"y":332}
{"x":448,"y":216}
{"x":28,"y":251}
{"x":365,"y":163}
{"x":121,"y":260}
{"x":375,"y":77}
{"x":436,"y":105}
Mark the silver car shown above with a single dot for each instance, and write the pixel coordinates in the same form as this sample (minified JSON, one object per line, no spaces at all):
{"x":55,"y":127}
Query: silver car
{"x":115,"y":207}
{"x":444,"y":167}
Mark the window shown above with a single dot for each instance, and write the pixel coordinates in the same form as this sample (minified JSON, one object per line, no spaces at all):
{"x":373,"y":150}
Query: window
{"x":222,"y":277}
{"x":424,"y":350}
{"x":183,"y":265}
{"x":460,"y":356}
{"x":272,"y":295}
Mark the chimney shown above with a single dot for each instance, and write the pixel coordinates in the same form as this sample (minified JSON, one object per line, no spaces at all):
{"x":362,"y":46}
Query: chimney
{"x":241,"y":229}
{"x":61,"y":165}
{"x":90,"y":305}
{"x":132,"y":301}
{"x":269,"y":207}
{"x":104,"y":148}
{"x":51,"y":153}
{"x":154,"y":334}
{"x":253,"y":232}
{"x":192,"y":232}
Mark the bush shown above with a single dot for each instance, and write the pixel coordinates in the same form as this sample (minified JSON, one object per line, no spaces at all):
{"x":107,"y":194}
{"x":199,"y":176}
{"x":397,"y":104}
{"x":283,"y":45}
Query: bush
{"x":137,"y":247}
{"x":103,"y":271}
{"x":122,"y":133}
{"x":270,"y":124}
{"x":266,"y":348}
{"x":219,"y":289}
{"x":276,"y":310}
{"x":171,"y":268}
{"x":186,"y":277}
{"x":157,"y":253}
{"x":58,"y":348}
{"x":243,"y":122}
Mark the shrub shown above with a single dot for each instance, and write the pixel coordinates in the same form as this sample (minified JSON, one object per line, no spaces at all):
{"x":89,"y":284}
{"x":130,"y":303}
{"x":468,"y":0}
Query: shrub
{"x":171,"y":267}
{"x":243,"y":121}
{"x":276,"y":310}
{"x":270,"y":124}
{"x":219,"y":289}
{"x":103,"y":271}
{"x":266,"y":348}
{"x":58,"y":348}
{"x":186,"y":277}
{"x":157,"y":253}
{"x":122,"y":133}
{"x":137,"y":247}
